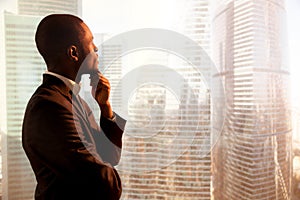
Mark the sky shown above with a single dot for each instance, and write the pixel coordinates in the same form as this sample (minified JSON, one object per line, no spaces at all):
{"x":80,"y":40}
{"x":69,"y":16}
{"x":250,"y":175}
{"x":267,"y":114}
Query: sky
{"x":126,"y":16}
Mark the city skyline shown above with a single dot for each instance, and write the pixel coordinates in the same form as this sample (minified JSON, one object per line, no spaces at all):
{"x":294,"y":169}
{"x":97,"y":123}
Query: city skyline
{"x":111,"y":23}
{"x":143,"y":93}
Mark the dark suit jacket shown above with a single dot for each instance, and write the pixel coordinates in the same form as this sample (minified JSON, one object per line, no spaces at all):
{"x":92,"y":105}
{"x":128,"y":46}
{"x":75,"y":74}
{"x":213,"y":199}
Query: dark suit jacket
{"x":71,"y":156}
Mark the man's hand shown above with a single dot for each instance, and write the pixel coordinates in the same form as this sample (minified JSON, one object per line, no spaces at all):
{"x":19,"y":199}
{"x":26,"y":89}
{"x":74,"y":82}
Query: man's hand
{"x":100,"y":92}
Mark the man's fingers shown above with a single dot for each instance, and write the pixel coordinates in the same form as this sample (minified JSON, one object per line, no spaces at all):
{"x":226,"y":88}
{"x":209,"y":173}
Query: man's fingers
{"x":99,"y":80}
{"x":100,"y":88}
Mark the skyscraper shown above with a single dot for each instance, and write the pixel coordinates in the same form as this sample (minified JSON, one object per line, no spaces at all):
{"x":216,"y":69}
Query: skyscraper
{"x":23,"y":74}
{"x":253,"y":157}
{"x":198,"y":28}
{"x":165,"y":133}
{"x":24,"y":68}
{"x":44,"y":7}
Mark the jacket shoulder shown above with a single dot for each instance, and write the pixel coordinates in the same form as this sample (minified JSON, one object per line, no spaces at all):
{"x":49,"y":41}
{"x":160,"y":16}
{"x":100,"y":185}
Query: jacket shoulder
{"x":44,"y":96}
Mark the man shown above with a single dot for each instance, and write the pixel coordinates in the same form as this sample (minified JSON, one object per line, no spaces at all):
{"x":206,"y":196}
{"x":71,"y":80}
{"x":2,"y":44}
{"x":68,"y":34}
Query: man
{"x":71,"y":156}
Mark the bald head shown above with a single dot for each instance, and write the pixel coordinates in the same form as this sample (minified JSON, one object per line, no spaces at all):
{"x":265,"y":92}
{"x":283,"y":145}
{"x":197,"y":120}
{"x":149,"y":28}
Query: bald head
{"x":55,"y":34}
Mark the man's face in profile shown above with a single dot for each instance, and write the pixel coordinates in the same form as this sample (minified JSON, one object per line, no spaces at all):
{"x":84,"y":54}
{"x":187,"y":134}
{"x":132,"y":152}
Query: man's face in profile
{"x":90,"y":59}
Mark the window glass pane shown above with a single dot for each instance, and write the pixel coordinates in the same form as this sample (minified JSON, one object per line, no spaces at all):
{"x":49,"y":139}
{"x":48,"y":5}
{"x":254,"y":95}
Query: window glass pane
{"x":181,"y":141}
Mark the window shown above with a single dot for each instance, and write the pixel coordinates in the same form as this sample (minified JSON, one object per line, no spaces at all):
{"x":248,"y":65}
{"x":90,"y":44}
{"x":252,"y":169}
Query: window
{"x":181,"y":141}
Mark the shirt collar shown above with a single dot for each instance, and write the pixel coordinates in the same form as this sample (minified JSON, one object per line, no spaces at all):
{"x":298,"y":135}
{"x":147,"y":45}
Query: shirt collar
{"x":75,"y":87}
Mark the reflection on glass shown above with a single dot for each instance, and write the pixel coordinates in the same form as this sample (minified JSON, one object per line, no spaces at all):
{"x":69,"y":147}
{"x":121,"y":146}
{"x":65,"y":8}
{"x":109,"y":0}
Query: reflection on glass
{"x":162,"y":157}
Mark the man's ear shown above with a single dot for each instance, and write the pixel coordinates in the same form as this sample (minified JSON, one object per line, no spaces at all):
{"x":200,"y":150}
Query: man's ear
{"x":72,"y":53}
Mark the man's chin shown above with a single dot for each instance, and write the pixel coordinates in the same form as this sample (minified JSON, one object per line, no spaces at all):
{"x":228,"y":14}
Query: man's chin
{"x":88,"y":71}
{"x":93,"y":71}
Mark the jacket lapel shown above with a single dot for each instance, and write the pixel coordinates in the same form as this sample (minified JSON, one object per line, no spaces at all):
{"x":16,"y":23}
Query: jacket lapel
{"x":62,"y":88}
{"x":77,"y":106}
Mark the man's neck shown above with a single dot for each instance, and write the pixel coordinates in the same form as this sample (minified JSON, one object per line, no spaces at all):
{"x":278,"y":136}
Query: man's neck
{"x":68,"y":74}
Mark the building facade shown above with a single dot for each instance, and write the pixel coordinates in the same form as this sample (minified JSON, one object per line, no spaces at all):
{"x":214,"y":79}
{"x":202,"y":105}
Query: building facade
{"x":23,"y":73}
{"x":253,"y":158}
{"x":44,"y":7}
{"x":163,"y":155}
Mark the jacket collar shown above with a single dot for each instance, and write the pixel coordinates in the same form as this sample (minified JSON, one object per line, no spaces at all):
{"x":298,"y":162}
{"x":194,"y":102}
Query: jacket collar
{"x":57,"y":84}
{"x":75,"y":87}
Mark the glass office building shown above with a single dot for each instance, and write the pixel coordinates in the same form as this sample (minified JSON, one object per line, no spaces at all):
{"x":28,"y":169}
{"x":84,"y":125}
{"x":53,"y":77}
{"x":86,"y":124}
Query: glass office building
{"x":165,"y":133}
{"x":44,"y":7}
{"x":23,"y":73}
{"x":253,"y":157}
